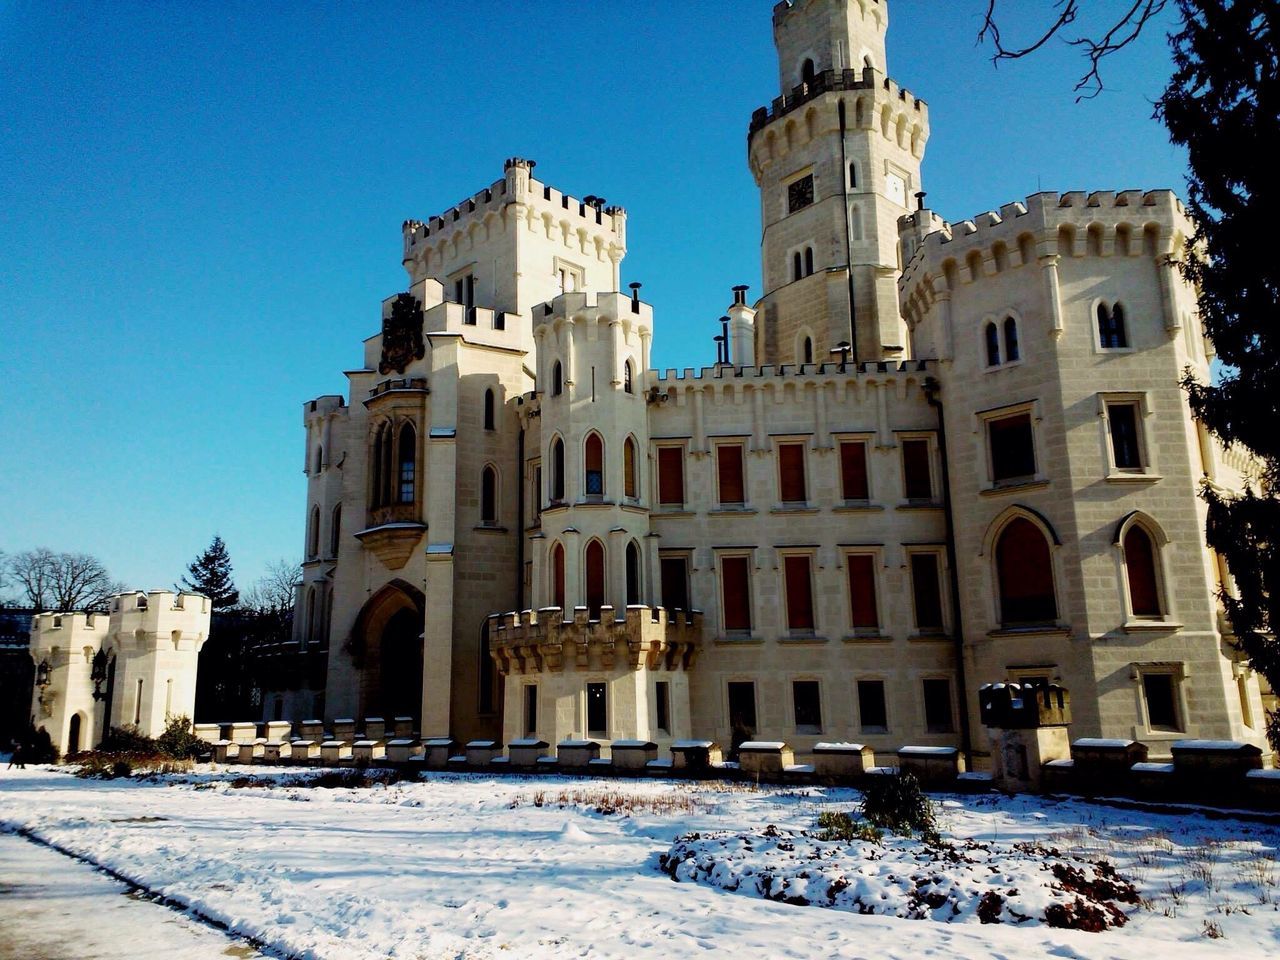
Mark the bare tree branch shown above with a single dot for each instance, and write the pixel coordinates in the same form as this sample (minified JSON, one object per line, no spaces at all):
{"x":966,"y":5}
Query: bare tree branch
{"x":1119,"y":35}
{"x":61,"y":582}
{"x":273,"y":592}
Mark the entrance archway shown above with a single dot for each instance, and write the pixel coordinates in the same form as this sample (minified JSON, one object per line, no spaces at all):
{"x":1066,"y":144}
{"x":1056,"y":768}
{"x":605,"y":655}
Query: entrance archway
{"x":388,"y":632}
{"x":73,"y":735}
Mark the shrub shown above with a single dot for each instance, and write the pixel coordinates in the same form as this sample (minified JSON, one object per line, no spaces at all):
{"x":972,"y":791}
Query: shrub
{"x":37,"y":747}
{"x":178,"y":740}
{"x":127,"y":739}
{"x":840,"y":826}
{"x":898,"y":804}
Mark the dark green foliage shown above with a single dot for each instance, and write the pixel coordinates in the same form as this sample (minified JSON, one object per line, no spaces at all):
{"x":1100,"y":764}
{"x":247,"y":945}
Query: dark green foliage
{"x":210,"y":574}
{"x":896,"y":803}
{"x":840,"y":826}
{"x":1223,"y":105}
{"x":127,"y":740}
{"x":179,"y":742}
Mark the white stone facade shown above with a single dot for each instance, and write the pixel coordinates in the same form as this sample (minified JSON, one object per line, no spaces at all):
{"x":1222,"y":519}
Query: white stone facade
{"x":519,"y":530}
{"x":144,"y":651}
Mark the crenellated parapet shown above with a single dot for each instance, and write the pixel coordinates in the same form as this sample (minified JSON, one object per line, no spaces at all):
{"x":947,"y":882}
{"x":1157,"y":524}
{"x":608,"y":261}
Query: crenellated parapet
{"x":540,"y":641}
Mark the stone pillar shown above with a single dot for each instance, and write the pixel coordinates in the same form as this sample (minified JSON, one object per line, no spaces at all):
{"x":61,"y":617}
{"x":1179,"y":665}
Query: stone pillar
{"x":1027,"y":726}
{"x":1052,"y":292}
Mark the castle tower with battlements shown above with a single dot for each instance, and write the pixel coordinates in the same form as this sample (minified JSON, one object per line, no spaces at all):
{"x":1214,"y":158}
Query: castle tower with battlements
{"x":518,"y":529}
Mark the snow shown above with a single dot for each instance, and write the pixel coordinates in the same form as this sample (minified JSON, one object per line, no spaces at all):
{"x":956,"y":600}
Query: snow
{"x":762,"y":745}
{"x":1230,"y":746}
{"x":1102,"y":742}
{"x":1152,"y":767}
{"x":927,"y":751}
{"x":692,"y":744}
{"x":481,"y":867}
{"x":839,"y":748}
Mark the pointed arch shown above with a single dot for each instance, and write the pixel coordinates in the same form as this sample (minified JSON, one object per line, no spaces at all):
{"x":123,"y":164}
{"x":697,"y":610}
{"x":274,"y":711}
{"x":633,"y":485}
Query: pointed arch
{"x":313,"y":534}
{"x":633,"y":573}
{"x":557,"y":379}
{"x":489,"y":496}
{"x":1012,"y":346}
{"x":991,"y":337}
{"x":557,"y":576}
{"x":628,"y":377}
{"x":594,"y":566}
{"x":335,"y":531}
{"x":319,"y":458}
{"x":407,"y":472}
{"x":555,"y":457}
{"x":1141,"y":541}
{"x":593,"y":465}
{"x":630,"y":470}
{"x":1020,"y":545}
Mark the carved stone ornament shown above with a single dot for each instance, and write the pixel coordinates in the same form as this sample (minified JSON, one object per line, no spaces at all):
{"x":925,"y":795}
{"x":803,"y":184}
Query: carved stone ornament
{"x":402,"y":335}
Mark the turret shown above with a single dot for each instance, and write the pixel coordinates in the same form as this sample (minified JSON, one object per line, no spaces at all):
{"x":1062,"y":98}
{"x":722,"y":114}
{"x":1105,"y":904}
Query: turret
{"x":816,"y":35}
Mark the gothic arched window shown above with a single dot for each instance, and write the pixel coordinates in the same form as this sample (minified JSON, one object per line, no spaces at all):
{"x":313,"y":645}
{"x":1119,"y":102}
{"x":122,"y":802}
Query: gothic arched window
{"x":1140,"y":566}
{"x":489,"y":497}
{"x":557,"y":379}
{"x":630,"y":489}
{"x":313,"y":534}
{"x":633,"y":573}
{"x":1111,"y":329}
{"x":992,"y":337}
{"x":319,"y":459}
{"x":557,"y":470}
{"x":407,"y":473}
{"x":628,"y":381}
{"x":488,"y":410}
{"x":557,"y":577}
{"x":1012,"y":350}
{"x":806,"y":353}
{"x":593,"y":459}
{"x":797,"y":266}
{"x":808,"y":261}
{"x":595,"y":577}
{"x":335,"y":530}
{"x":1024,"y":569}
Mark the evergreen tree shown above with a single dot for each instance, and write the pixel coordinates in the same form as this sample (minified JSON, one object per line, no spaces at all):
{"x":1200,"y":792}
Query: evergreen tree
{"x":210,"y":574}
{"x":1223,"y":105}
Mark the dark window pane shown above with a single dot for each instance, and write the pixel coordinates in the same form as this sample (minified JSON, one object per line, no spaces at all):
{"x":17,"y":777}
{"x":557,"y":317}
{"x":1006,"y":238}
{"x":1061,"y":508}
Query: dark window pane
{"x":662,"y":694}
{"x":675,"y":583}
{"x":597,"y":712}
{"x":807,"y":706}
{"x":671,"y":476}
{"x":742,"y":708}
{"x":917,"y":478}
{"x":937,"y":706}
{"x":1162,"y":707}
{"x":1124,"y":435}
{"x":1012,"y":349}
{"x":1140,"y":566}
{"x":1013,"y":455}
{"x":873,"y":712}
{"x":993,"y":345}
{"x":925,"y":590}
{"x":595,"y":577}
{"x":530,"y":709}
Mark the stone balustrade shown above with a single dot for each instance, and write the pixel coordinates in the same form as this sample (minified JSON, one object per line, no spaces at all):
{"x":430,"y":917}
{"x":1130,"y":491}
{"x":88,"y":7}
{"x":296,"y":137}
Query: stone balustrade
{"x":534,"y":641}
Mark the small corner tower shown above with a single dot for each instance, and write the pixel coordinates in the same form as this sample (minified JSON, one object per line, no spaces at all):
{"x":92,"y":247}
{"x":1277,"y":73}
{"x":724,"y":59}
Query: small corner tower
{"x":837,"y":159}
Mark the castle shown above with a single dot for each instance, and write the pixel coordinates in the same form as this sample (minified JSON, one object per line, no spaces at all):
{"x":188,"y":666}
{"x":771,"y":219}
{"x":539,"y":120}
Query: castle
{"x":930,"y":456}
{"x":131,"y":666}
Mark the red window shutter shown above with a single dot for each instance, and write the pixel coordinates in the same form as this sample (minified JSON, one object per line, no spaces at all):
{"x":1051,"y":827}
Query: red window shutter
{"x":799,"y":593}
{"x":736,"y":586}
{"x":791,"y":472}
{"x":853,"y":471}
{"x":1140,"y":564}
{"x":629,"y":469}
{"x":671,"y":476}
{"x":862,"y":591}
{"x":1025,"y":569}
{"x":915,"y":470}
{"x":729,"y":464}
{"x":595,"y":577}
{"x":557,"y":576}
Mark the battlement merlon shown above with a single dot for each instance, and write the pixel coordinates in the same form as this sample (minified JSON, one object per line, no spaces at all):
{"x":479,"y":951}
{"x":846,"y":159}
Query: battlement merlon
{"x":322,"y":407}
{"x":1127,"y":223}
{"x":876,"y":91}
{"x":155,"y":613}
{"x":597,"y":307}
{"x":816,"y":35}
{"x":606,"y":224}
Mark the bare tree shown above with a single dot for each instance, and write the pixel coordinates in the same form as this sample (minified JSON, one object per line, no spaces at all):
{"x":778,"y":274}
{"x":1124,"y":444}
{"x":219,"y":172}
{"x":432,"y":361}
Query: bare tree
{"x":274,"y":591}
{"x":1120,"y":27}
{"x":62,"y":581}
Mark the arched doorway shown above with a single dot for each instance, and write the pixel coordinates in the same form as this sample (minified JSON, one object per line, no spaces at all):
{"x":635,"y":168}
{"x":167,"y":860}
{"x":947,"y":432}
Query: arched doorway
{"x":387,"y":650}
{"x":73,"y":735}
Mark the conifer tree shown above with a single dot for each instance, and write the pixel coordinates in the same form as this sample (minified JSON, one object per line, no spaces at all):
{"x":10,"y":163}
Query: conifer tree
{"x":210,"y":574}
{"x":1223,"y":105}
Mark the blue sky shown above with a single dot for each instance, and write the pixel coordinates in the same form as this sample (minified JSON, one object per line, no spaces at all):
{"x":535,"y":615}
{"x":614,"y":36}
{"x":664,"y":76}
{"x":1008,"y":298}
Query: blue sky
{"x":200,"y":208}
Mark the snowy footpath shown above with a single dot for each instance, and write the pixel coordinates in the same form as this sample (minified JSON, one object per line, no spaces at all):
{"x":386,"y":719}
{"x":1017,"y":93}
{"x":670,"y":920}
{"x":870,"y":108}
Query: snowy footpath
{"x":468,"y":866}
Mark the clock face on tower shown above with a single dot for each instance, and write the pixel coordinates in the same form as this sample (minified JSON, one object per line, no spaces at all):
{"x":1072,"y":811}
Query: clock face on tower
{"x":896,"y":189}
{"x":800,"y":194}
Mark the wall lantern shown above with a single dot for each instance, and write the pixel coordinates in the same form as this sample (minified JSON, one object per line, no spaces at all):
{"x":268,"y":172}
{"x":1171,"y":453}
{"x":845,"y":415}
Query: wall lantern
{"x":98,"y":674}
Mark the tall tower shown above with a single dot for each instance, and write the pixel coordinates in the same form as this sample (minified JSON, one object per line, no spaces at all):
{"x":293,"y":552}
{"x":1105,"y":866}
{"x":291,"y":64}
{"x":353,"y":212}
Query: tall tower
{"x":837,"y":159}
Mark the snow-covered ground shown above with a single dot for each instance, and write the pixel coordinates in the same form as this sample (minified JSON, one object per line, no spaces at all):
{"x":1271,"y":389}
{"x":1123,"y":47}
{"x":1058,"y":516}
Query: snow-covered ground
{"x":460,"y":866}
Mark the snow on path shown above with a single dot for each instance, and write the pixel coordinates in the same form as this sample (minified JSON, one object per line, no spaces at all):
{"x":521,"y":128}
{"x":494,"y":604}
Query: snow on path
{"x":54,"y":908}
{"x":447,"y":868}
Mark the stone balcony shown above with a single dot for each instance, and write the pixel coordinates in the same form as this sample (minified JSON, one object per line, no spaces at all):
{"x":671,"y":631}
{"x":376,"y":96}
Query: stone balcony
{"x":537,"y":641}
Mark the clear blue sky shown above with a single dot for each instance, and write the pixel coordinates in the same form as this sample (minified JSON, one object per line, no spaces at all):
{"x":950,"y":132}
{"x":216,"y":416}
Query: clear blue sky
{"x":200,"y":208}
